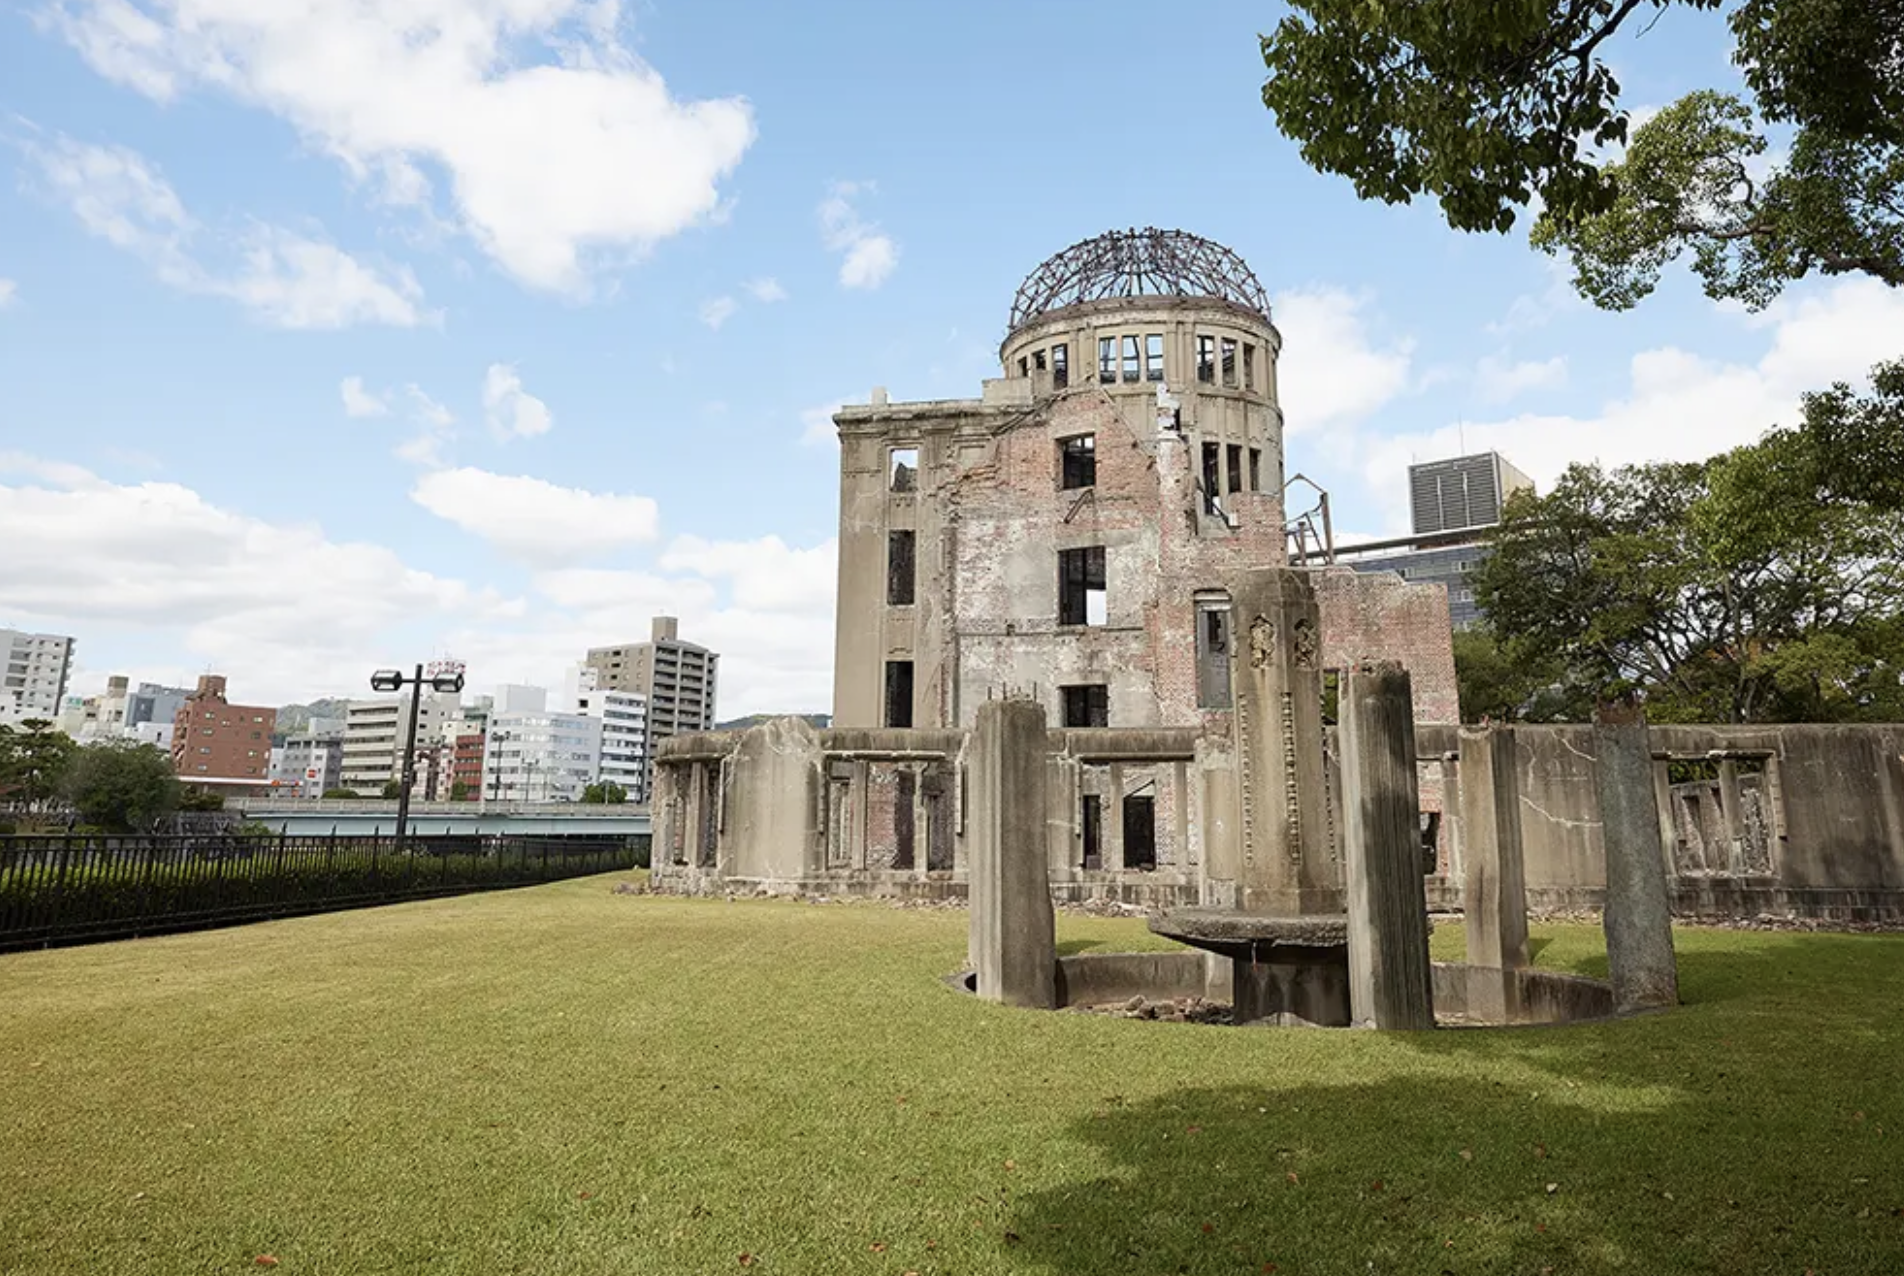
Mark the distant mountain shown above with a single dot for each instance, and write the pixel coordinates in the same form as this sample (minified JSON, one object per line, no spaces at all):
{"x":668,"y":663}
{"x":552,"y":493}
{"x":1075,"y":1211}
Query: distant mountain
{"x":295,"y":719}
{"x":755,"y":719}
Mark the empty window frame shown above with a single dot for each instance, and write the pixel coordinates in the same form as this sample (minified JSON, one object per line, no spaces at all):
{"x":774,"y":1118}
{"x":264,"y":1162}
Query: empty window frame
{"x":1091,"y":825}
{"x":1206,"y":360}
{"x":1082,"y":597}
{"x":1024,"y":366}
{"x":1133,"y":362}
{"x":899,"y":569}
{"x":1249,"y":366}
{"x":1087,"y":705}
{"x":1256,"y":469}
{"x":1077,"y":461}
{"x":899,"y":693}
{"x":1154,"y":357}
{"x":1107,"y":360}
{"x":1229,"y":362}
{"x":1212,"y":476}
{"x":1213,"y":653}
{"x":1060,"y":366}
{"x":1233,"y":456}
{"x":1038,"y":360}
{"x":904,"y":469}
{"x":1140,"y":831}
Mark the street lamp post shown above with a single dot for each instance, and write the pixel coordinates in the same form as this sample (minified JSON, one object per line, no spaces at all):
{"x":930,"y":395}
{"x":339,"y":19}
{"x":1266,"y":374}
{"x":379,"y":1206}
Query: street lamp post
{"x":393,"y":680}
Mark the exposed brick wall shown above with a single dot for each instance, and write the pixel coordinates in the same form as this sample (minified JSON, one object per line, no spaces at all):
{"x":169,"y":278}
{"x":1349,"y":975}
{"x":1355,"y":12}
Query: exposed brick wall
{"x":1379,"y":616}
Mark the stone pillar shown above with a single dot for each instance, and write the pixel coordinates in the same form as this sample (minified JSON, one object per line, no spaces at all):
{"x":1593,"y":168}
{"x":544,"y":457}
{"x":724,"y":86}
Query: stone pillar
{"x":1276,"y":685}
{"x":1639,"y":921}
{"x":1494,"y":883}
{"x":1013,"y":939}
{"x":1390,"y":983}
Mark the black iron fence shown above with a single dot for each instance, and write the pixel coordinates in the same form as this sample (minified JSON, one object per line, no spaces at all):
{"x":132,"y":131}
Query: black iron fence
{"x":63,"y":889}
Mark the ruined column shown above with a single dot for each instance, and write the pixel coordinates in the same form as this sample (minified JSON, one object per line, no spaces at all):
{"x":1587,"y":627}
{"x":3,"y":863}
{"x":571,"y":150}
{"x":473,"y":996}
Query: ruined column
{"x":1494,"y":883}
{"x":1276,"y":683}
{"x":1390,"y":984}
{"x":1639,"y":921}
{"x":1013,"y":939}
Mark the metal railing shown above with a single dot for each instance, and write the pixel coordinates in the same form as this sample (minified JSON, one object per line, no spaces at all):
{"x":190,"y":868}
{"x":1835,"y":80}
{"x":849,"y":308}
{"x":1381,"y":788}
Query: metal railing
{"x":62,"y":889}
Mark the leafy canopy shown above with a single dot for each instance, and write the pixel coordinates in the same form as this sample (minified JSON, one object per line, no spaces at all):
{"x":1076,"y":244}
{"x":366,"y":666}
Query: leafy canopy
{"x":1486,"y":105}
{"x":123,"y":787}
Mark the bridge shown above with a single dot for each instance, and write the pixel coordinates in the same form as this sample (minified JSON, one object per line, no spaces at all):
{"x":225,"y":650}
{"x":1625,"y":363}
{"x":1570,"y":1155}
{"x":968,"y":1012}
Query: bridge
{"x":316,"y":817}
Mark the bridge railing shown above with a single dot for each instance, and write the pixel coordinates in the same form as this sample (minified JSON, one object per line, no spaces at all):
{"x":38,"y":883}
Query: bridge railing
{"x":63,"y":889}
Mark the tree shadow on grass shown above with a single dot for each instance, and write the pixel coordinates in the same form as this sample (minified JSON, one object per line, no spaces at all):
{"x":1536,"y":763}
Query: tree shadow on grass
{"x":1761,"y":1135}
{"x":1072,"y":947}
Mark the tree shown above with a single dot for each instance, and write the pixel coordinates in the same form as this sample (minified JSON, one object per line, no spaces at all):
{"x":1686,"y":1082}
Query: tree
{"x":1858,"y":443}
{"x":123,"y":787}
{"x":1487,"y":106}
{"x":1735,"y":590}
{"x":607,"y":792}
{"x":34,"y":759}
{"x":342,"y":794}
{"x":459,"y":790}
{"x":392,"y":789}
{"x":1499,"y":685}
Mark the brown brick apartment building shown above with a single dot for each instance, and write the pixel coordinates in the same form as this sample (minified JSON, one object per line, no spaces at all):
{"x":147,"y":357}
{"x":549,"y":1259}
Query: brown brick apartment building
{"x":213,"y":739}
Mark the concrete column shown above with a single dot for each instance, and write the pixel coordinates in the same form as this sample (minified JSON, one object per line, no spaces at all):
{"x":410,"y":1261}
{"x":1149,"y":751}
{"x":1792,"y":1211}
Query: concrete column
{"x":1639,"y":920}
{"x":1013,"y":931}
{"x":1111,"y":829}
{"x":1276,"y":687}
{"x":1390,"y":984}
{"x":1494,"y":885}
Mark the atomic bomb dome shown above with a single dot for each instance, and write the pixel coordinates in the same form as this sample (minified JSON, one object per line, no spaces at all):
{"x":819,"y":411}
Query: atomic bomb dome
{"x":1123,"y":264}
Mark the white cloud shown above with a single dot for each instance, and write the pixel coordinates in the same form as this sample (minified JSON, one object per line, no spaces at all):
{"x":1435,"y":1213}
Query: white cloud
{"x":512,"y":412}
{"x":718,"y":311}
{"x":869,"y":256}
{"x":1680,"y":406}
{"x":767,"y":574}
{"x":1332,"y":373}
{"x":8,"y":289}
{"x":359,"y":402}
{"x":816,"y":424}
{"x":1497,"y":381}
{"x":547,"y":164}
{"x":156,"y":561}
{"x":534,"y":520}
{"x":766,"y":290}
{"x":282,"y":277}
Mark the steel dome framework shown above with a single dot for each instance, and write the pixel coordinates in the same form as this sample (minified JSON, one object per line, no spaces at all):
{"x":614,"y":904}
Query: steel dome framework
{"x":1138,"y":263}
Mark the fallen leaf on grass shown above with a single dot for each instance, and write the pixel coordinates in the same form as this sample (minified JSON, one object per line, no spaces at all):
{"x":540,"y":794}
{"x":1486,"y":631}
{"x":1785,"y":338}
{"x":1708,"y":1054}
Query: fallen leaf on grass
{"x":1291,"y":1176}
{"x":1540,"y":1150}
{"x":1552,"y":1188}
{"x":1011,"y":1165}
{"x":748,"y":1260}
{"x":1208,"y":1228}
{"x":583,"y":1196}
{"x":1377,"y":1186}
{"x":266,"y":1260}
{"x":878,"y":1247}
{"x":1467,"y":1154}
{"x":1195,"y":1129}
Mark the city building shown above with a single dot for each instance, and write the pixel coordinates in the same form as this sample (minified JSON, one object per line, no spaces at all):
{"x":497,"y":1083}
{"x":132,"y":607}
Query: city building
{"x":624,"y":749}
{"x":1069,"y":532}
{"x":151,"y":702}
{"x":466,"y":764}
{"x":540,"y":756}
{"x":309,"y":765}
{"x":215,"y":740}
{"x":36,"y":669}
{"x":1454,"y":503}
{"x":676,"y":679}
{"x":375,"y":732}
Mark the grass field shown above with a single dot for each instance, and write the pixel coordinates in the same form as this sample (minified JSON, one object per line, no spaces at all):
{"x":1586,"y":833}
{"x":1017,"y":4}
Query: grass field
{"x":563,"y":1079}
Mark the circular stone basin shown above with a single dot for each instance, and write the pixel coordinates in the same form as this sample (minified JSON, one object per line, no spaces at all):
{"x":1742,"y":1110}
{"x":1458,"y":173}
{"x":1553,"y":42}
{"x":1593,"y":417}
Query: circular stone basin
{"x":1253,"y":937}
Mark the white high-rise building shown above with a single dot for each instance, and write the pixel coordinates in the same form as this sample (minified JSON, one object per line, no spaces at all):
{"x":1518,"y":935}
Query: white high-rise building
{"x":624,"y":719}
{"x":33,"y":676}
{"x":538,"y":756}
{"x":374,"y":733}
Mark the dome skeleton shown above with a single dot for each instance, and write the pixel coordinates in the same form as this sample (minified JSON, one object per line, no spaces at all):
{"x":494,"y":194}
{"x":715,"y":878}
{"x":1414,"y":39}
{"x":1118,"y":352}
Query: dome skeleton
{"x":1137,"y":263}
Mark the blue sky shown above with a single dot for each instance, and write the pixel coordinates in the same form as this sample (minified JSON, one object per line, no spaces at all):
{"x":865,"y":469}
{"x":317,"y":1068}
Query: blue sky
{"x":352,"y":332}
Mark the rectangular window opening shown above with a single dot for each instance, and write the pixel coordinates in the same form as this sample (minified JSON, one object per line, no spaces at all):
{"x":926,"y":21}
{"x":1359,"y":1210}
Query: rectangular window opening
{"x":1082,"y":598}
{"x":1024,"y":366}
{"x":1213,"y":654}
{"x":1060,"y":366}
{"x":905,"y":469}
{"x":1229,"y":362}
{"x":1256,"y":469}
{"x":1154,"y":357}
{"x":1249,"y":366}
{"x":899,"y":693}
{"x":1206,"y":360}
{"x":1140,"y":831}
{"x":1212,"y":476}
{"x":1087,"y":705}
{"x":1038,"y":360}
{"x":1091,"y":825}
{"x":899,"y":568}
{"x":1133,"y":362}
{"x":1107,"y":360}
{"x":1233,"y":455}
{"x":1077,"y":458}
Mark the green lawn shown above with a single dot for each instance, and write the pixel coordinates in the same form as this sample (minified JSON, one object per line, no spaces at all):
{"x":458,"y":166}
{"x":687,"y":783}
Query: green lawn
{"x":563,"y":1079}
